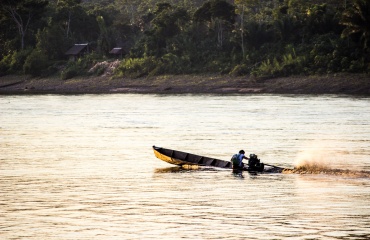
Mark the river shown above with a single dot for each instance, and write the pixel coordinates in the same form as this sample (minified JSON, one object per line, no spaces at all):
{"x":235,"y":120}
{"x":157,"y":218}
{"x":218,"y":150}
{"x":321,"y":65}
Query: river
{"x":82,"y":167}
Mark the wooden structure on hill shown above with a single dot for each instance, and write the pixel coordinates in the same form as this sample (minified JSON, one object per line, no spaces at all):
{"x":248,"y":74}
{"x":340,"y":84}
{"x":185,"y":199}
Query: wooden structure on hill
{"x":78,"y":50}
{"x":118,"y":51}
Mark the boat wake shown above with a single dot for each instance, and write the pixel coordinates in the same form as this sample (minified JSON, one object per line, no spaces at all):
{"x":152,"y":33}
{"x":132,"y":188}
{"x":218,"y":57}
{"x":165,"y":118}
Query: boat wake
{"x":306,"y":169}
{"x":321,"y":163}
{"x":313,"y":169}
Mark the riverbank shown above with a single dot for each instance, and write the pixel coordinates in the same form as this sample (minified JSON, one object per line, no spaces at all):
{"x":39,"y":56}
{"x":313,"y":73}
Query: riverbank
{"x":352,"y":84}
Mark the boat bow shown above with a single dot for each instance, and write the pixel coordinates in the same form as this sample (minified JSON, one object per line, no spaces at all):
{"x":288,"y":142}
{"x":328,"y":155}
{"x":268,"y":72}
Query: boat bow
{"x":182,"y":158}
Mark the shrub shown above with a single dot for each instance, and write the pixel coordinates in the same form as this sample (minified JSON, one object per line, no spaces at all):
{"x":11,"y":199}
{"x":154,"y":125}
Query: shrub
{"x":289,"y":65}
{"x":240,"y":70}
{"x":69,"y":72}
{"x":81,"y":66}
{"x":358,"y":65}
{"x":5,"y":65}
{"x":36,"y":63}
{"x":267,"y":68}
{"x":137,"y":67}
{"x":18,"y":59}
{"x":173,"y":64}
{"x":87,"y":61}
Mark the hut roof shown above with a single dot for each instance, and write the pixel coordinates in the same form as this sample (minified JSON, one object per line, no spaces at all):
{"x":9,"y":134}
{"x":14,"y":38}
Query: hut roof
{"x":76,"y":49}
{"x":117,"y":50}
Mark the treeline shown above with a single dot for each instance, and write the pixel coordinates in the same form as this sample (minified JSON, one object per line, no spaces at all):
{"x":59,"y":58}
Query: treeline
{"x":263,"y":38}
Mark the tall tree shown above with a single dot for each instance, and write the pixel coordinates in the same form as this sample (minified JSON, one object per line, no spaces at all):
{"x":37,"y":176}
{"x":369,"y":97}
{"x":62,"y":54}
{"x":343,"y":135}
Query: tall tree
{"x":242,"y":5}
{"x":23,"y":12}
{"x":218,"y":13}
{"x":68,"y":9}
{"x":103,"y":40}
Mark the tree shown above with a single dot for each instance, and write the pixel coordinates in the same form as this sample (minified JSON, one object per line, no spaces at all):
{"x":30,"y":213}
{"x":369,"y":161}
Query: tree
{"x":36,"y":63}
{"x":23,"y":12}
{"x":68,"y":8}
{"x":167,"y":22}
{"x":218,"y":13}
{"x":356,"y":19}
{"x":103,"y":40}
{"x":242,"y":4}
{"x":51,"y":41}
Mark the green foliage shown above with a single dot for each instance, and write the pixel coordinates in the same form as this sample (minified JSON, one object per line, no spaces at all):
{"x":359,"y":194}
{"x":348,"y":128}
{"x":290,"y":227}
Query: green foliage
{"x":215,"y":9}
{"x":288,"y":65}
{"x":70,"y":71}
{"x":263,"y":38}
{"x":136,"y":67}
{"x":5,"y":65}
{"x":267,"y":69}
{"x":167,"y":22}
{"x":151,"y":66}
{"x":330,"y":54}
{"x":219,"y":16}
{"x":80,"y":67}
{"x":240,"y":70}
{"x":171,"y":63}
{"x":36,"y":63}
{"x":356,"y":19}
{"x":25,"y":14}
{"x":18,"y":59}
{"x":52,"y":41}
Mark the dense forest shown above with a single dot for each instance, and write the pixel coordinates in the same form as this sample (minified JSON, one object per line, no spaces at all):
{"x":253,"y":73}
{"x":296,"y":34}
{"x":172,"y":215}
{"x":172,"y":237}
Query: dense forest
{"x":262,"y":38}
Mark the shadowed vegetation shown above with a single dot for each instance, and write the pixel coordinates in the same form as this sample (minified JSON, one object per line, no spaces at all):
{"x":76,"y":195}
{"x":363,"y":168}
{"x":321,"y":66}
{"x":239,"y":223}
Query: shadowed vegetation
{"x":243,"y":37}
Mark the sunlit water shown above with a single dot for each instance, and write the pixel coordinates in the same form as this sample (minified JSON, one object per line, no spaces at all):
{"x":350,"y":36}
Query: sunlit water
{"x":82,"y":167}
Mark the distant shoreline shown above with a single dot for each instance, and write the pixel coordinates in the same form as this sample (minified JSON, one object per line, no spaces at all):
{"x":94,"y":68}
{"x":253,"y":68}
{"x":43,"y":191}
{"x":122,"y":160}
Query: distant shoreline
{"x":343,"y":83}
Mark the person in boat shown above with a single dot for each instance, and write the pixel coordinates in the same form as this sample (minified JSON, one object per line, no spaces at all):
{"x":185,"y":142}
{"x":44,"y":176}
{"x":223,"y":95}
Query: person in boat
{"x":237,"y":160}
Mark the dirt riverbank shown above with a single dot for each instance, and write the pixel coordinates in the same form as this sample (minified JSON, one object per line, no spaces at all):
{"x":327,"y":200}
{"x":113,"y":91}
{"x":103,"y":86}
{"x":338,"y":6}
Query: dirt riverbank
{"x":353,"y":84}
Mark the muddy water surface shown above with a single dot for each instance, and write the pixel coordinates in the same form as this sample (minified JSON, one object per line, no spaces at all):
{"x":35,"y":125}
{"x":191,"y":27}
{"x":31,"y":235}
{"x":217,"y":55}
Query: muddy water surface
{"x":81,"y":167}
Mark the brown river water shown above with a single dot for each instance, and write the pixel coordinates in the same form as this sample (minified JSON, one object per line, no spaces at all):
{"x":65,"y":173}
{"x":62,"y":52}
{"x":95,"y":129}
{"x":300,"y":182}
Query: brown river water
{"x":82,"y":167}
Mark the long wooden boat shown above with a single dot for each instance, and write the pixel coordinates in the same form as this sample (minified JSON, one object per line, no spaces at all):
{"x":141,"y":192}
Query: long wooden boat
{"x":182,"y":158}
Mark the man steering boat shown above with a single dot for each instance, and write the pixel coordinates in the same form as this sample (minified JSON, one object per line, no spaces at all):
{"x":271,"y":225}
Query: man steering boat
{"x":254,"y":164}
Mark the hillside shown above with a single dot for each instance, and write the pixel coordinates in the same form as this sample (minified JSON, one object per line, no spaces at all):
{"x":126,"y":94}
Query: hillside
{"x":263,"y":39}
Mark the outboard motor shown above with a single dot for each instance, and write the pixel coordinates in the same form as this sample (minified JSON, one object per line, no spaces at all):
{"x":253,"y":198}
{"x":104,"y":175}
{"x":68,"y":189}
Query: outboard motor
{"x":255,"y":164}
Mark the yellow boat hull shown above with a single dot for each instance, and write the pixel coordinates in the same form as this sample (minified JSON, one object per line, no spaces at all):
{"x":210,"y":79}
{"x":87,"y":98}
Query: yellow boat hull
{"x":187,"y":159}
{"x":171,"y":160}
